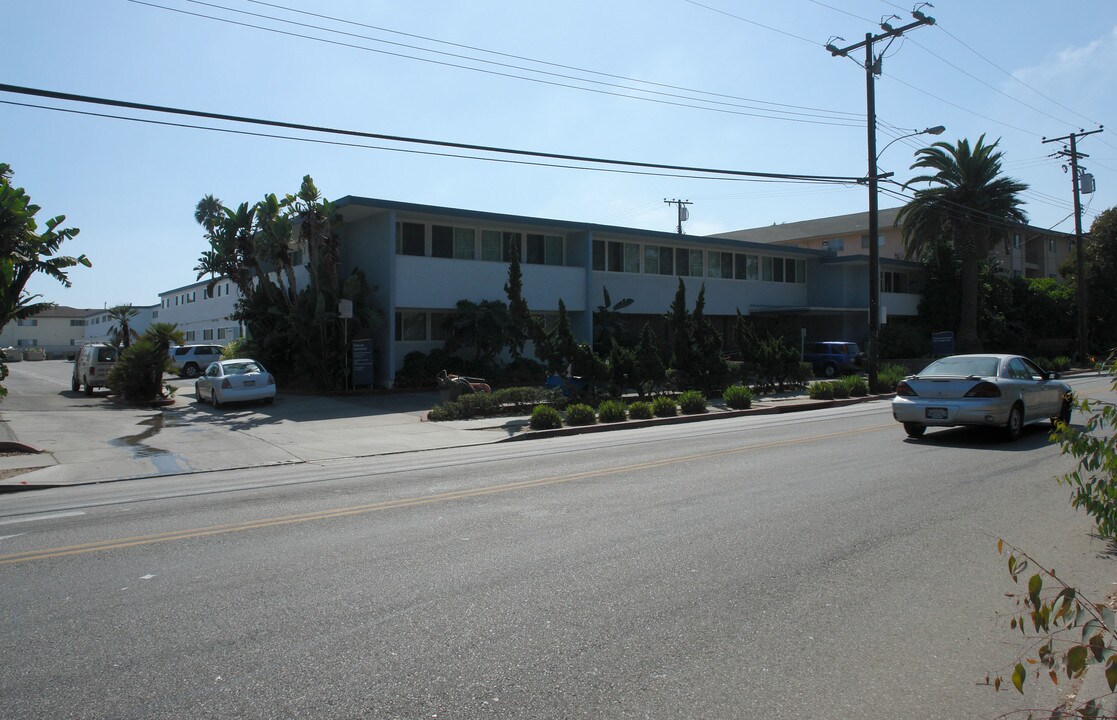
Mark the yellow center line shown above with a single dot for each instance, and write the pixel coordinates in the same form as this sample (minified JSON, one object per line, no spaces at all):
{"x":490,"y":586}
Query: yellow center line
{"x":121,"y":543}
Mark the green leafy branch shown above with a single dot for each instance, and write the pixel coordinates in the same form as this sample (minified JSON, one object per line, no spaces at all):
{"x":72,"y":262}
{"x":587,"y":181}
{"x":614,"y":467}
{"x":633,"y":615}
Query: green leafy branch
{"x":1067,"y":635}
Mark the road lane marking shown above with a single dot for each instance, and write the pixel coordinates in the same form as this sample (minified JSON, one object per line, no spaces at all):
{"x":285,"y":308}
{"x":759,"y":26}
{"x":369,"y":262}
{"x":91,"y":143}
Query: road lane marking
{"x":228,"y":528}
{"x":48,"y":516}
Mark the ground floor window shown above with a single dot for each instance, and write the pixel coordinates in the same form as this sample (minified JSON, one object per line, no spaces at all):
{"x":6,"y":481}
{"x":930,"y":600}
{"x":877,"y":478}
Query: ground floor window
{"x":411,"y":326}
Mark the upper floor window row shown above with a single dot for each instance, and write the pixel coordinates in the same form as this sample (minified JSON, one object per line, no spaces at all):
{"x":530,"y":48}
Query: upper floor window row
{"x":616,"y":256}
{"x":466,"y":243}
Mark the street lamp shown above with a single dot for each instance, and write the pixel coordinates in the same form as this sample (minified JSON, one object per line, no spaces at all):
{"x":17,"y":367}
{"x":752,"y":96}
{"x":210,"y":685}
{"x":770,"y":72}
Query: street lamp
{"x":873,"y":349}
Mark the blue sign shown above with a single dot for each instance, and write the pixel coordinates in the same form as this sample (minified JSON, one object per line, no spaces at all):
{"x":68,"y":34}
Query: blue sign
{"x":362,"y":363}
{"x":942,"y":344}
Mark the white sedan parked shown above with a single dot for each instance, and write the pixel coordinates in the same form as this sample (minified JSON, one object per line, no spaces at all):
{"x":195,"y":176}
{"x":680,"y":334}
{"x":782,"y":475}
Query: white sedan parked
{"x":1005,"y":391}
{"x":239,"y":380}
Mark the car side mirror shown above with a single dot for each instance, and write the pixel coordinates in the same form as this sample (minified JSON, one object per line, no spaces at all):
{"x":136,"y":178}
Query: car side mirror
{"x":1053,"y":375}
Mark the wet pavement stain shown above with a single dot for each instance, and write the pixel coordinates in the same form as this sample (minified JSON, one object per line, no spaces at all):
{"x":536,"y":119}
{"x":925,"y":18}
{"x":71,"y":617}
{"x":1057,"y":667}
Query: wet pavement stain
{"x":164,"y":460}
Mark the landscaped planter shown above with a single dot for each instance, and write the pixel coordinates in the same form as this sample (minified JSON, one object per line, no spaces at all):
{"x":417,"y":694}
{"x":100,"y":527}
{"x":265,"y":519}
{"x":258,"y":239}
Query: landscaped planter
{"x":35,"y":354}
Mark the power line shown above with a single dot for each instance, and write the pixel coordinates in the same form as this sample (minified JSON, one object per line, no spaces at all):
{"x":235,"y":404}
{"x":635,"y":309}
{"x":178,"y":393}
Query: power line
{"x":753,"y":22}
{"x":761,"y":112}
{"x":69,"y":97}
{"x":544,"y":62}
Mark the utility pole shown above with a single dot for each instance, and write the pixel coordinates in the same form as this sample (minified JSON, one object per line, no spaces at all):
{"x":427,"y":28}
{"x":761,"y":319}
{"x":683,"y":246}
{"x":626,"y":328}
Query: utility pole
{"x":872,"y":69}
{"x":1079,"y":251}
{"x":684,"y":214}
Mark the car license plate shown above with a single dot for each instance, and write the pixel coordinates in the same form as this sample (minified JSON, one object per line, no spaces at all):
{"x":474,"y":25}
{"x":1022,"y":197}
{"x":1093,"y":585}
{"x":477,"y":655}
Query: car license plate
{"x":936,"y":413}
{"x":250,"y":383}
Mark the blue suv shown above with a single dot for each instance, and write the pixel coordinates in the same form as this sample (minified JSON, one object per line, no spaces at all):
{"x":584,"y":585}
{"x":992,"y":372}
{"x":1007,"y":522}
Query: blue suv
{"x":833,"y":357}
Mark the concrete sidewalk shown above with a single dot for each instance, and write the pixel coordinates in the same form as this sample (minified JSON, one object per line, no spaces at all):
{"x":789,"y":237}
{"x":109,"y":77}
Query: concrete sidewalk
{"x":114,"y":442}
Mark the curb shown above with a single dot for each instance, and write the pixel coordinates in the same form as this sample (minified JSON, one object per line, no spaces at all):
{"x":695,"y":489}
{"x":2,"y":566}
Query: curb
{"x":529,"y":434}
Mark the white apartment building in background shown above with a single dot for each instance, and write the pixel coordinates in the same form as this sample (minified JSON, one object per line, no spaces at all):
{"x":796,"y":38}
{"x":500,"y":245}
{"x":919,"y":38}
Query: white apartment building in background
{"x":201,"y":313}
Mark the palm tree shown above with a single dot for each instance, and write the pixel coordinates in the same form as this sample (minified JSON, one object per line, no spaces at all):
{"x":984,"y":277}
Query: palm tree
{"x":968,"y":206}
{"x":122,"y":315}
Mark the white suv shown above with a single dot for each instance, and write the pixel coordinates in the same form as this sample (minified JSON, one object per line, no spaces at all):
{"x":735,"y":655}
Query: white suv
{"x":191,"y":360}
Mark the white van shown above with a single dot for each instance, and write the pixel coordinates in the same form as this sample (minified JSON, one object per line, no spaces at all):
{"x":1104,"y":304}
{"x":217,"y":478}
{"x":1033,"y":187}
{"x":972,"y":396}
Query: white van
{"x":92,"y":366}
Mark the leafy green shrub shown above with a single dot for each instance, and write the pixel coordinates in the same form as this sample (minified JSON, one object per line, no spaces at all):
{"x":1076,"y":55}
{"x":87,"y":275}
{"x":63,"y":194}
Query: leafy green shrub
{"x":1061,"y":363}
{"x":580,"y":414}
{"x":611,"y":411}
{"x":840,"y":389}
{"x":888,"y":375}
{"x":1045,"y":364}
{"x":137,"y":375}
{"x":737,"y":397}
{"x":545,"y":417}
{"x":237,"y":348}
{"x":855,"y":386}
{"x":640,"y":410}
{"x":664,"y":406}
{"x":821,"y":391}
{"x":520,"y":400}
{"x":692,"y":402}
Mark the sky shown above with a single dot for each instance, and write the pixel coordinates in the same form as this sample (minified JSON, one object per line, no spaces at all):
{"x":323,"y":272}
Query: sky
{"x":722,"y":84}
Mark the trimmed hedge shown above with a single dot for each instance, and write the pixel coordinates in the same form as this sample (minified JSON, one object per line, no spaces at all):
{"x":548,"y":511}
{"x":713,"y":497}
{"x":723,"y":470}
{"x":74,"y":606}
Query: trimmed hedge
{"x":737,"y":397}
{"x":692,"y":402}
{"x":580,"y":414}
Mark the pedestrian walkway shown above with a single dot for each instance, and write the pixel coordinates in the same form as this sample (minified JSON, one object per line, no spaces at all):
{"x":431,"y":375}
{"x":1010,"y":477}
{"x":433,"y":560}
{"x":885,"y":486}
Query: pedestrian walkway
{"x":131,"y":443}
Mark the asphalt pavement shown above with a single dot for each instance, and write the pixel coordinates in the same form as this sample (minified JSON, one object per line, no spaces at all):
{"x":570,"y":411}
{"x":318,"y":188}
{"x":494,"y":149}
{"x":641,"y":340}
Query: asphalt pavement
{"x":56,"y":437}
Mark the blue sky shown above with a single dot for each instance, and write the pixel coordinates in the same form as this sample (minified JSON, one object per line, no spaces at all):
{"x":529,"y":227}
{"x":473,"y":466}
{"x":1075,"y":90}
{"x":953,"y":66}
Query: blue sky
{"x":738,"y":85}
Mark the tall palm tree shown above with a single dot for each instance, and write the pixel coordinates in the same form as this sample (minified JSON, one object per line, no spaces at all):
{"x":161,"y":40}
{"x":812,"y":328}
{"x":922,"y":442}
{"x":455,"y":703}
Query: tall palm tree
{"x":968,"y":207}
{"x":122,"y":315}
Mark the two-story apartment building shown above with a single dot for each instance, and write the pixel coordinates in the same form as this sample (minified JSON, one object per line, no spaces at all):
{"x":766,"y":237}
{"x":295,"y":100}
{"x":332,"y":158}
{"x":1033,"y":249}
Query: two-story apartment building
{"x":424,"y":259}
{"x":59,"y":331}
{"x":200,"y":312}
{"x":1026,"y":252}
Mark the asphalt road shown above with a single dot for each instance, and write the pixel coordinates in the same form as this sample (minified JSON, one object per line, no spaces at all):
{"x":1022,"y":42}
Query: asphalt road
{"x":816,"y":565}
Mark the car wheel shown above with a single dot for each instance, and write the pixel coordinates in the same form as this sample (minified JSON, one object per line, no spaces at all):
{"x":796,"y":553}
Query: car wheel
{"x":914,"y":429}
{"x":198,"y":397}
{"x":213,"y":398}
{"x":190,"y":370}
{"x":830,"y":371}
{"x":88,"y":389}
{"x":74,"y":384}
{"x":1014,"y":428}
{"x":1064,"y":414}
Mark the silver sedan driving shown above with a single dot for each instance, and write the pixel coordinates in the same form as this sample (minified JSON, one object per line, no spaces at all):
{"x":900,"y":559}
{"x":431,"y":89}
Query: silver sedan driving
{"x":988,"y":390}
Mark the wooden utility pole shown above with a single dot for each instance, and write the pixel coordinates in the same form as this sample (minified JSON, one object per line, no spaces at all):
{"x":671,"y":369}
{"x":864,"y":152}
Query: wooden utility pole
{"x":1079,"y":251}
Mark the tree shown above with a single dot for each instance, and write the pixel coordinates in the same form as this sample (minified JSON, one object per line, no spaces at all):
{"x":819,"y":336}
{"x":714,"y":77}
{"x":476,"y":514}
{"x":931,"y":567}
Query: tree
{"x":24,"y":251}
{"x":650,"y":370}
{"x":608,"y":323}
{"x":122,"y":315}
{"x":710,"y":368}
{"x":298,"y":332}
{"x":522,"y":326}
{"x":482,"y":326}
{"x":968,"y":207}
{"x":681,"y":332}
{"x":1100,"y":262}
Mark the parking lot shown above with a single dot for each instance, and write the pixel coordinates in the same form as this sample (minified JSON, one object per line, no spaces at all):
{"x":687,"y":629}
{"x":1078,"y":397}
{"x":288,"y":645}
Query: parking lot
{"x":87,"y":439}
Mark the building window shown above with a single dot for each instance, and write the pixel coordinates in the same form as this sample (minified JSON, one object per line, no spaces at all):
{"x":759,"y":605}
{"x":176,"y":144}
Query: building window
{"x":1050,"y":244}
{"x":25,"y":342}
{"x":688,"y":262}
{"x":544,"y":249}
{"x":410,"y":239}
{"x":226,"y":288}
{"x":490,"y":245}
{"x":453,"y":242}
{"x":439,"y":320}
{"x":865,"y":241}
{"x":220,"y":333}
{"x":207,"y":334}
{"x":1016,"y":241}
{"x":746,"y":267}
{"x":27,"y":323}
{"x":599,"y":255}
{"x":893,"y":282}
{"x":411,"y":326}
{"x":154,"y":314}
{"x":77,"y":323}
{"x":190,"y":335}
{"x":659,"y":260}
{"x":623,"y":257}
{"x":207,"y":294}
{"x":719,"y":264}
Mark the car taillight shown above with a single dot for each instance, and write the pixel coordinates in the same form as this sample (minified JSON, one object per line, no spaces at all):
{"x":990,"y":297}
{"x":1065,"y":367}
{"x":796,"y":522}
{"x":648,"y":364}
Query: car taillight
{"x":271,"y":379}
{"x":226,"y":385}
{"x":984,"y":390}
{"x":904,"y":390}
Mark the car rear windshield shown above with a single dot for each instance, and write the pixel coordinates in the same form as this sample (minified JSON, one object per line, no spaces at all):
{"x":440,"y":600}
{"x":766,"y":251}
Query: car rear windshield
{"x":106,"y":354}
{"x":242,"y":368}
{"x":962,"y":367}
